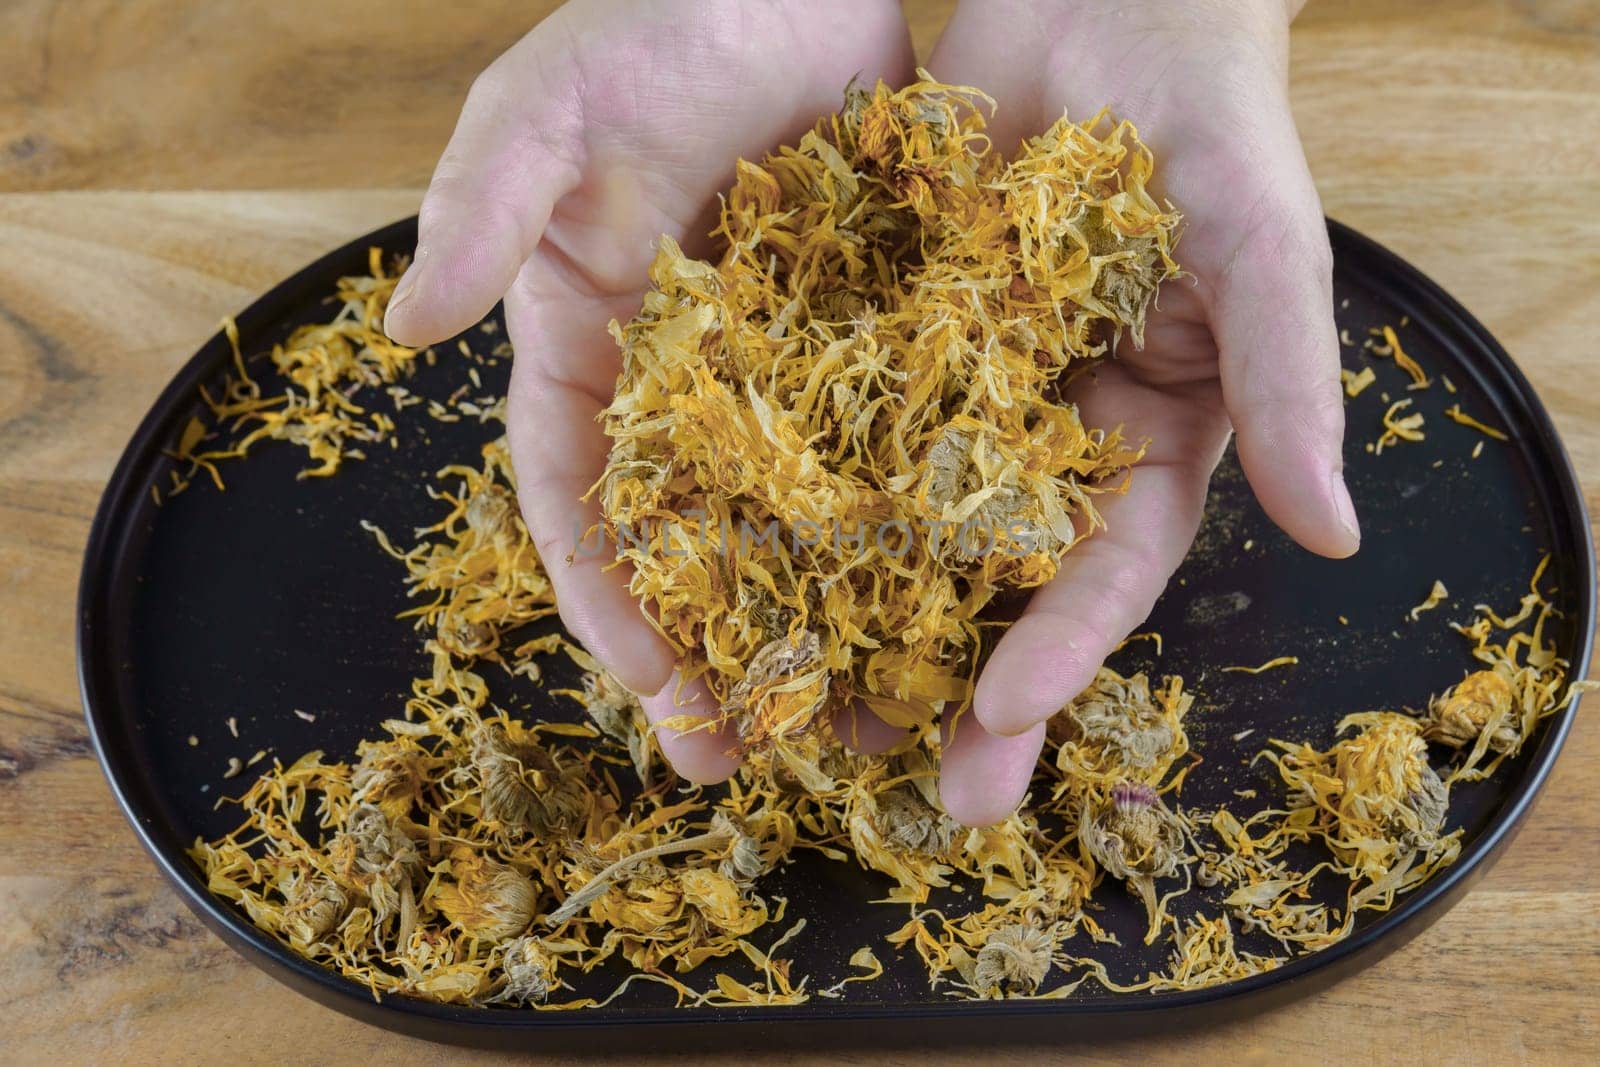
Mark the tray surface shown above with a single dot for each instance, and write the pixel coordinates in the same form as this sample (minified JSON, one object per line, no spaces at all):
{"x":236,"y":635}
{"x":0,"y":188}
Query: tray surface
{"x":269,"y":597}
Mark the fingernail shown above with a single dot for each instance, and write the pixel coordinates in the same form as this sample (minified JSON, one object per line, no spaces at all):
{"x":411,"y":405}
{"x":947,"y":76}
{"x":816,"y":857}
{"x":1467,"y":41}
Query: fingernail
{"x":1346,"y":507}
{"x":402,"y":293}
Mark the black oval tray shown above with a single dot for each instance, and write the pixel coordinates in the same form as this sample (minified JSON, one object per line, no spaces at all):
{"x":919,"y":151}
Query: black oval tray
{"x":267,"y":597}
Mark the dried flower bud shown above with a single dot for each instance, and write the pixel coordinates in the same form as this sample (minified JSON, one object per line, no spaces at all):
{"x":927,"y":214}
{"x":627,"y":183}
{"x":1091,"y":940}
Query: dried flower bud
{"x":462,"y":637}
{"x":530,"y":971}
{"x":314,"y":906}
{"x":490,"y":512}
{"x":1135,"y":838}
{"x":744,"y":862}
{"x":1386,"y":778}
{"x":1377,"y":800}
{"x":374,"y":845}
{"x":523,"y":788}
{"x":906,"y":821}
{"x":387,"y":779}
{"x":373,"y":852}
{"x":1117,"y":717}
{"x":1014,"y":957}
{"x":620,"y":716}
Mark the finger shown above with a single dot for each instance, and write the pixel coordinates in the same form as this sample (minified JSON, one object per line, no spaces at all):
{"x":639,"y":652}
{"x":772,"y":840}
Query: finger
{"x":864,"y":732}
{"x":512,"y":156}
{"x":1107,"y":583}
{"x":984,"y":776}
{"x":968,"y":51}
{"x":560,"y":381}
{"x":701,"y":756}
{"x":1272,"y":315}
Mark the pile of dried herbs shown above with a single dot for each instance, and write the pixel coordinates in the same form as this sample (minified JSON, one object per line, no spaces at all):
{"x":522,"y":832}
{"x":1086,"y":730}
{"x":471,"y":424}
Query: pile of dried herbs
{"x":837,"y":443}
{"x":882,"y":338}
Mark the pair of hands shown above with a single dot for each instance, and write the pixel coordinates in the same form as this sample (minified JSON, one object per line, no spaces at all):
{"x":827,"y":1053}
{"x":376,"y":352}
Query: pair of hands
{"x":615,"y":121}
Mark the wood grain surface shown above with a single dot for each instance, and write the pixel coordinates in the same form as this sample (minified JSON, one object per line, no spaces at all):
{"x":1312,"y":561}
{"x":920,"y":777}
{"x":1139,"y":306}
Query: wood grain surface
{"x":162,"y":163}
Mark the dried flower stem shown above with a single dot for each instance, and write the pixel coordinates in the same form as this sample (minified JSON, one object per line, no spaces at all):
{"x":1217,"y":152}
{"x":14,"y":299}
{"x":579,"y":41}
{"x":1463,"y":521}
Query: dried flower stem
{"x":595,"y":888}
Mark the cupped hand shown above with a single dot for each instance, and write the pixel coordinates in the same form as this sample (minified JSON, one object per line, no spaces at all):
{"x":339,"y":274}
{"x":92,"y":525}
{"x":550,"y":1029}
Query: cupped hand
{"x":1248,"y":344}
{"x":611,"y":123}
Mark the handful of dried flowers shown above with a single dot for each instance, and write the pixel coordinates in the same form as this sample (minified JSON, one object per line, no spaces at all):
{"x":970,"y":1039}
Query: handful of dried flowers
{"x":836,"y":443}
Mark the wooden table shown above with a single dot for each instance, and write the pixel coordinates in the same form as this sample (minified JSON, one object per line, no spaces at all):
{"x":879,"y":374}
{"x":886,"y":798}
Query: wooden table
{"x":165,"y":162}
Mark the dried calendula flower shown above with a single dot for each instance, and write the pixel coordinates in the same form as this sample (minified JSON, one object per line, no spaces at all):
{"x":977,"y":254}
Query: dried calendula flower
{"x":745,"y":861}
{"x":616,"y":711}
{"x":314,"y":904}
{"x":1014,"y":957}
{"x":895,"y":825}
{"x":909,"y":823}
{"x":1134,"y":836}
{"x":834,"y":443}
{"x":529,"y":969}
{"x":1476,"y":715}
{"x":389,"y":776}
{"x":523,"y":786}
{"x":1372,"y":797}
{"x":373,"y":852}
{"x":1480,"y":703}
{"x":1117,"y":729}
{"x":487,"y":899}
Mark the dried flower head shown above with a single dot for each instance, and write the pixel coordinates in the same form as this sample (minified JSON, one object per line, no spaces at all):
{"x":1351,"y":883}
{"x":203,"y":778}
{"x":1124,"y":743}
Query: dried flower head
{"x":1479,"y":703}
{"x":744,"y":862}
{"x":620,"y":716}
{"x":1015,"y":957}
{"x":313,"y":906}
{"x":908,"y":822}
{"x":1134,"y":836}
{"x":523,"y":787}
{"x":388,"y":777}
{"x":373,"y":846}
{"x":491,"y":514}
{"x":890,"y":811}
{"x":1384,"y":779}
{"x":529,"y":970}
{"x":1117,"y":729}
{"x":487,"y":899}
{"x":1372,"y":797}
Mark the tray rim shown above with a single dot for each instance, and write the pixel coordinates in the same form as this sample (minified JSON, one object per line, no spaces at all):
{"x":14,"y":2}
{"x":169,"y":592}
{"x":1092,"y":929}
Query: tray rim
{"x":915,"y":1024}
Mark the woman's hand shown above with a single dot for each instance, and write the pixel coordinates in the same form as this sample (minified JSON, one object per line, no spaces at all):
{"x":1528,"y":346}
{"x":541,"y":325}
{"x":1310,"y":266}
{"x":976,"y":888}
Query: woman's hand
{"x":611,"y":123}
{"x":1248,"y":344}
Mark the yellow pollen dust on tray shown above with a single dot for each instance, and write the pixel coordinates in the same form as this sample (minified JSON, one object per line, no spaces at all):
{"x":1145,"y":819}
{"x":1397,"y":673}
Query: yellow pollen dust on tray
{"x":837,"y":440}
